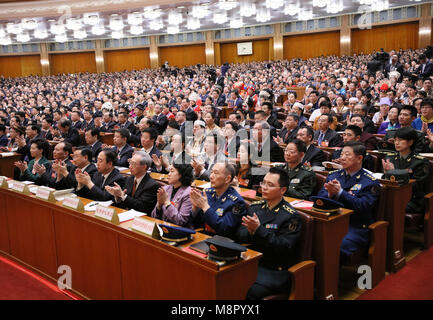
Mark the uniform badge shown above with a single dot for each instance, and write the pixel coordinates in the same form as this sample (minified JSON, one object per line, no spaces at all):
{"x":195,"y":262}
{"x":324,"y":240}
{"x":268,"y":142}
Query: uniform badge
{"x":297,"y":180}
{"x":293,"y":225}
{"x":220,"y":211}
{"x":271,"y":226}
{"x":236,"y":209}
{"x":356,"y":187}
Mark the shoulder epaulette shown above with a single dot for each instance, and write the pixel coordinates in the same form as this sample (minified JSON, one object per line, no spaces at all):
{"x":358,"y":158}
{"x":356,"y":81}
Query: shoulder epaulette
{"x":208,"y":189}
{"x":419,"y":157}
{"x":234,"y":198}
{"x":366,"y":174}
{"x":288,"y":209}
{"x":334,"y":171}
{"x":258,"y":202}
{"x":307,"y":168}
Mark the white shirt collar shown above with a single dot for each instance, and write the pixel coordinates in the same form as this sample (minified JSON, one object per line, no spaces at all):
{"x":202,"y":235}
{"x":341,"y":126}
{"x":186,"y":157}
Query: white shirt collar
{"x":139,"y":180}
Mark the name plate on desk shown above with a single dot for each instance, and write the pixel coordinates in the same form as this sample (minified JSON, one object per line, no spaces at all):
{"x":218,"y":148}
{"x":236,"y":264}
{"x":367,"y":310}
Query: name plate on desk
{"x":73,"y":203}
{"x":145,"y":227}
{"x":20,"y":187}
{"x":3,"y":182}
{"x":108,"y":214}
{"x":45,"y":194}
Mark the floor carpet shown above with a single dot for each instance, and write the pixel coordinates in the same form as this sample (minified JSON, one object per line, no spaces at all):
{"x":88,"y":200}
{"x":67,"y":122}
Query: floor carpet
{"x":413,"y":282}
{"x":19,"y":283}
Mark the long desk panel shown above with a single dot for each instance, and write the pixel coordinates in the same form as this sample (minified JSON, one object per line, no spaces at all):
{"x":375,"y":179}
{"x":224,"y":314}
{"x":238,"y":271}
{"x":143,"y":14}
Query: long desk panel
{"x":112,"y":262}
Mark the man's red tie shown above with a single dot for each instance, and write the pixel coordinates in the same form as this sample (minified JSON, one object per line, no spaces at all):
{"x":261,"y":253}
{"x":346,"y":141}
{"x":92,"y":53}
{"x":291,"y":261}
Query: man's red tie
{"x":134,"y":188}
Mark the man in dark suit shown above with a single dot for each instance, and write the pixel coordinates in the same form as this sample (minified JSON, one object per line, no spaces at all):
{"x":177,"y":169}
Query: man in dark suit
{"x":148,"y":139}
{"x":69,"y":134}
{"x":47,"y":124}
{"x":177,"y":155}
{"x":3,"y":138}
{"x":290,"y":129}
{"x":61,"y":154}
{"x":219,"y":78}
{"x":124,"y":151}
{"x":82,"y":161}
{"x":160,"y":119}
{"x":93,"y":143}
{"x":425,"y":68}
{"x":125,"y":124}
{"x":88,"y":121}
{"x":268,"y":108}
{"x":107,"y":122}
{"x":140,"y":190}
{"x":107,"y":175}
{"x":325,"y":136}
{"x":394,"y":66}
{"x":264,"y":147}
{"x":76,"y":120}
{"x":313,"y":156}
{"x":231,"y":143}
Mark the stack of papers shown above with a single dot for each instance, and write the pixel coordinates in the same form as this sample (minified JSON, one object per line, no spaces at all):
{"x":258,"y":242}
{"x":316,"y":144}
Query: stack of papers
{"x":129,"y":215}
{"x":6,"y":154}
{"x":92,"y":205}
{"x":302,"y":204}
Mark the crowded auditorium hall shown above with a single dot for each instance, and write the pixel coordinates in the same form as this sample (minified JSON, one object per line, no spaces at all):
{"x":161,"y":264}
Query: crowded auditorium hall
{"x":216,"y":150}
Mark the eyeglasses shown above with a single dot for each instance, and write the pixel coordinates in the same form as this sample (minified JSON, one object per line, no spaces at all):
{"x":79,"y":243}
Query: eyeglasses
{"x":268,"y":185}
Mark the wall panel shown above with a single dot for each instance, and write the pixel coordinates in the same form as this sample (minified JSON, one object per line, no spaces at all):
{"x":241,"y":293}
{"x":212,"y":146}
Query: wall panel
{"x":182,"y":56}
{"x":396,"y":36}
{"x":72,"y":62}
{"x":229,"y":52}
{"x":311,"y":45}
{"x":20,"y":66}
{"x":131,"y":59}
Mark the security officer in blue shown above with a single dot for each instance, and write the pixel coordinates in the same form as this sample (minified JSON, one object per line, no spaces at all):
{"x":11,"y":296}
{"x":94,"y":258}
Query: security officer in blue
{"x":272,"y":227}
{"x":221,"y":208}
{"x":356,"y":189}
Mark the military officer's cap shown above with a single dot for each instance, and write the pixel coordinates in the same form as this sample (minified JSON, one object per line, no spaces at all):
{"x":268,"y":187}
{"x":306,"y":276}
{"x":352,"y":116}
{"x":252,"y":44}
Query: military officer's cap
{"x":401,"y":176}
{"x":385,"y":146}
{"x":176,"y":234}
{"x":323,"y":204}
{"x":224,"y":250}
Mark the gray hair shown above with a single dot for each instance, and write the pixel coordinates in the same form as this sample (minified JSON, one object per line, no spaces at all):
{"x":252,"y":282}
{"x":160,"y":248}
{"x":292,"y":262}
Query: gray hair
{"x":145,"y":158}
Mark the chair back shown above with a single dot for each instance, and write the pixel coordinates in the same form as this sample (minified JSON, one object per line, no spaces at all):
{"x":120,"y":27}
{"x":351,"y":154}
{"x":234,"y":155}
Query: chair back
{"x":379,"y":212}
{"x":320,"y":181}
{"x":305,"y":243}
{"x":428,"y":187}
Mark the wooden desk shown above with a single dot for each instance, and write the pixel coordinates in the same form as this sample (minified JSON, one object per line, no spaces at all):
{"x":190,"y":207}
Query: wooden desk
{"x":397,"y":198}
{"x":112,"y":262}
{"x":107,"y":138}
{"x":329,"y":232}
{"x":7,"y":164}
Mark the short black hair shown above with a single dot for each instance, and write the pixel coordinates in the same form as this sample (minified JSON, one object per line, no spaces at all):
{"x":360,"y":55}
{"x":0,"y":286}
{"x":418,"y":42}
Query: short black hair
{"x":124,"y":133}
{"x":413,"y":111}
{"x":35,"y":127}
{"x":153,"y":133}
{"x":427,"y":102}
{"x":230,"y":169}
{"x":186,"y":173}
{"x":2,"y":127}
{"x":358,"y":148}
{"x":65,"y":123}
{"x":234,"y":125}
{"x":284,"y":179}
{"x":355,"y":129}
{"x":110,"y":155}
{"x":300,"y":145}
{"x":86,"y":152}
{"x":173,"y":124}
{"x":407,"y":134}
{"x":67,"y":148}
{"x":94,"y":131}
{"x":269,"y":105}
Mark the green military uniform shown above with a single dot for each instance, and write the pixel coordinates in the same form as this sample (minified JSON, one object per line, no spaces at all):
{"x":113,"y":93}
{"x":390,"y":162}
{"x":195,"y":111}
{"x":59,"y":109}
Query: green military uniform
{"x":277,"y":238}
{"x":420,"y":144}
{"x":418,"y":168}
{"x":302,"y":181}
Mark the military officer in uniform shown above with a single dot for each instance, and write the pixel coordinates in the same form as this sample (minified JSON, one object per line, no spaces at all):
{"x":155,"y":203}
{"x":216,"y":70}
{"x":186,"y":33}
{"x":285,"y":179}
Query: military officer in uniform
{"x":302,"y":178}
{"x":273,"y":227}
{"x":221,"y":208}
{"x":356,"y":189}
{"x":417,"y":166}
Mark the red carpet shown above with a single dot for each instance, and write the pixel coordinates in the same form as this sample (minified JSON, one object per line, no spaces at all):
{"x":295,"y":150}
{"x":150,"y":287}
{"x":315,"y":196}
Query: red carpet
{"x":413,"y":282}
{"x":18,"y":283}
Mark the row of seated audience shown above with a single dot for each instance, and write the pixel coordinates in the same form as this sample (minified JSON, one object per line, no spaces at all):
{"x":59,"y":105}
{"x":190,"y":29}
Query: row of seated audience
{"x":191,"y":140}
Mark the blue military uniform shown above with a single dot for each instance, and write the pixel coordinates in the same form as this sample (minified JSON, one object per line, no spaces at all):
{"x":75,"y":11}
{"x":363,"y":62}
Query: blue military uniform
{"x":277,"y":238}
{"x":225,"y":213}
{"x":360,"y":192}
